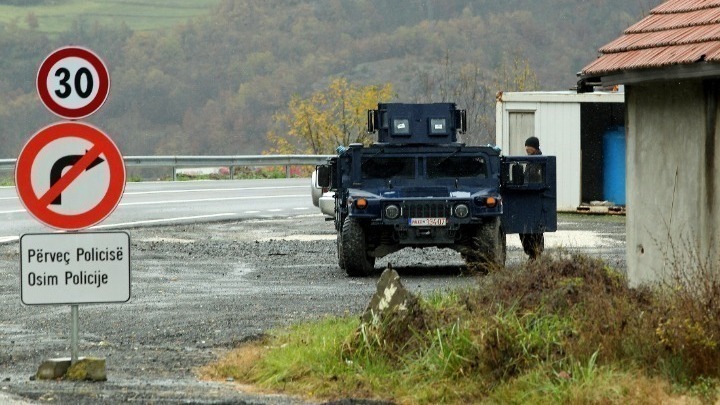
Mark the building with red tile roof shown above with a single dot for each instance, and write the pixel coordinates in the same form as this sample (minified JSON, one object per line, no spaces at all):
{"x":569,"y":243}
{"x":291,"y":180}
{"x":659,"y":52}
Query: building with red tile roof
{"x":669,"y":63}
{"x":680,"y":38}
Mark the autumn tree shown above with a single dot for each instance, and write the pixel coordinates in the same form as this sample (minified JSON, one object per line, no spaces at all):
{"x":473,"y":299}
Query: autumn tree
{"x":327,"y":118}
{"x":516,"y":74}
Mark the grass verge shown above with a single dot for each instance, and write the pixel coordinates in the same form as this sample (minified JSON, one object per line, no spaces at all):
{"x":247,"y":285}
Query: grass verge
{"x":563,"y":329}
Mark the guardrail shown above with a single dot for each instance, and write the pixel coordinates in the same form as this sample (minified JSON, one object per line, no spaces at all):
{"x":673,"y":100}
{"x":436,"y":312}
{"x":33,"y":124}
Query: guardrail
{"x":231,"y":162}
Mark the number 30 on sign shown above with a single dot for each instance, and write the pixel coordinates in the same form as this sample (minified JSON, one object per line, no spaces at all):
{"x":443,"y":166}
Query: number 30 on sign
{"x":73,"y":82}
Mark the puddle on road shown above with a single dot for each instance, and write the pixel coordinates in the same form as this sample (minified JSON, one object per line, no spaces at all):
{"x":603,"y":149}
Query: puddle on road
{"x":571,"y":239}
{"x":301,"y":238}
{"x":242,"y":270}
{"x":166,"y":240}
{"x":568,"y":239}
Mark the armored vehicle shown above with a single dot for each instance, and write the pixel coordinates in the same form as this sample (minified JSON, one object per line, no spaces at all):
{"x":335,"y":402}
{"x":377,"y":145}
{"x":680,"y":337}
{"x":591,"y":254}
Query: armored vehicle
{"x":418,"y":187}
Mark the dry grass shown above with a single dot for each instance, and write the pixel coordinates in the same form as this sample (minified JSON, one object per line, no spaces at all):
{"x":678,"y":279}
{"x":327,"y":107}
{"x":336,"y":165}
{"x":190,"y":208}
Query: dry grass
{"x":562,"y":329}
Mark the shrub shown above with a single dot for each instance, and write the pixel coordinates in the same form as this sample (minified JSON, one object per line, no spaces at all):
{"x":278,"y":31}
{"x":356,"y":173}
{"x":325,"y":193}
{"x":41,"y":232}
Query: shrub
{"x":690,"y":327}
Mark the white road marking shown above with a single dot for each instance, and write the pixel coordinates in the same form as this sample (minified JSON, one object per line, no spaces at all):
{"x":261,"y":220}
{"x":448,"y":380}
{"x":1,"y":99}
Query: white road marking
{"x":189,"y":201}
{"x":212,"y":199}
{"x":570,"y":239}
{"x":207,"y":190}
{"x":12,"y":211}
{"x":5,"y":239}
{"x":155,"y":221}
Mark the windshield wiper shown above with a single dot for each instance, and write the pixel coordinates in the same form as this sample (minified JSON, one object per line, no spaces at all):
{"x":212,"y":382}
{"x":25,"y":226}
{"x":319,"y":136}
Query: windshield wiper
{"x":371,"y":157}
{"x":448,"y":157}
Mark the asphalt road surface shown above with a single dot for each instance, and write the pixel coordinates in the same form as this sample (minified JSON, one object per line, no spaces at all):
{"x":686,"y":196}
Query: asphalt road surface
{"x":151,"y":203}
{"x":199,"y":289}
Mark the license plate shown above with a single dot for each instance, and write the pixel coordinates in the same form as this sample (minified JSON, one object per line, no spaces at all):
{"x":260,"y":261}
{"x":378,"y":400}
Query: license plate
{"x":427,"y":221}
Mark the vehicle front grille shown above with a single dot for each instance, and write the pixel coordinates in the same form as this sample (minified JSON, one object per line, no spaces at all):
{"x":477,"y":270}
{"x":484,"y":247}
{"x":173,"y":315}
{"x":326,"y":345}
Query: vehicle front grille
{"x":426,"y":210}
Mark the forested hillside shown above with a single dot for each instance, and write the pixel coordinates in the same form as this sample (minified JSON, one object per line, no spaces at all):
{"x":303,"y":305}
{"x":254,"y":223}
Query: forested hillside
{"x":215,"y":84}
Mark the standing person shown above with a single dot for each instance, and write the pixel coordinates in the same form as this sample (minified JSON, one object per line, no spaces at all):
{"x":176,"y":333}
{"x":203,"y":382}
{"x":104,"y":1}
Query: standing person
{"x":533,"y":243}
{"x":532,"y":146}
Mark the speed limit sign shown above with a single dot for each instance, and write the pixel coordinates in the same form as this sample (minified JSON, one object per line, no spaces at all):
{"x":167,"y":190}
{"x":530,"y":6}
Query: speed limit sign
{"x":73,"y":82}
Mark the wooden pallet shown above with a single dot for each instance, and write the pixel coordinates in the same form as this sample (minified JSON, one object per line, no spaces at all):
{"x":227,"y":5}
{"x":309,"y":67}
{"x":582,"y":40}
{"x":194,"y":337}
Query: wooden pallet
{"x":601,"y":210}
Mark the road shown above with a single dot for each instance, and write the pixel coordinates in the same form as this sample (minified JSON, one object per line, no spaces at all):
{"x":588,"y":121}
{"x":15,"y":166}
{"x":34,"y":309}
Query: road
{"x":151,"y":203}
{"x":247,"y":256}
{"x":200,"y":289}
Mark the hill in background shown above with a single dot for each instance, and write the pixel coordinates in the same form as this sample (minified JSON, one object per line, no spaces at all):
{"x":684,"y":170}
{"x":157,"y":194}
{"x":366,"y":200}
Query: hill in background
{"x":56,"y":16}
{"x":211,"y":75}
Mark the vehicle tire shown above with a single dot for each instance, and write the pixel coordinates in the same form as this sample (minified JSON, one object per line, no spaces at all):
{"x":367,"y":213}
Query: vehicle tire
{"x":341,"y":258}
{"x":354,"y":250}
{"x":488,"y":246}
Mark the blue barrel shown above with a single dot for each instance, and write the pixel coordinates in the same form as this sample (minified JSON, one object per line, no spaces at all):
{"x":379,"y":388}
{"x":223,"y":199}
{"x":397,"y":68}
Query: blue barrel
{"x":614,"y":165}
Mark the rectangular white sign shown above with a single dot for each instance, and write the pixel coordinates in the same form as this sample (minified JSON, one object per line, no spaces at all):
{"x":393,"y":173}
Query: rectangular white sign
{"x":75,"y":268}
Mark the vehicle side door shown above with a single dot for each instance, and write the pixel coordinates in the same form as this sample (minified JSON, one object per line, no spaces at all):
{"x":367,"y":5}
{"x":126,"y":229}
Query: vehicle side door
{"x":529,"y":194}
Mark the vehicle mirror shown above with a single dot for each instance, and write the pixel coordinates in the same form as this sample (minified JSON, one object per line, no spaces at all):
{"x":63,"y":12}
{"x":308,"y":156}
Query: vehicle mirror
{"x":371,"y":114}
{"x":461,"y":121}
{"x":323,"y":176}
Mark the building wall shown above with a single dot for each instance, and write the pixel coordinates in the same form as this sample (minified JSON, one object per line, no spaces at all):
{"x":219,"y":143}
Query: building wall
{"x":673,"y":155}
{"x":558,"y":128}
{"x":557,"y":125}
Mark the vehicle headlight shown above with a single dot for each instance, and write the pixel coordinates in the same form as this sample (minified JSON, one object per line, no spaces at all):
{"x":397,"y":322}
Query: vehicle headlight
{"x":462,"y":210}
{"x":392,"y":211}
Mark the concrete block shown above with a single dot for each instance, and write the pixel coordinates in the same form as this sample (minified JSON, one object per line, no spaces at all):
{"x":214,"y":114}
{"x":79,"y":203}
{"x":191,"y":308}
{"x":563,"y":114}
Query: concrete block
{"x":390,"y":296}
{"x":87,"y":369}
{"x":53,"y":369}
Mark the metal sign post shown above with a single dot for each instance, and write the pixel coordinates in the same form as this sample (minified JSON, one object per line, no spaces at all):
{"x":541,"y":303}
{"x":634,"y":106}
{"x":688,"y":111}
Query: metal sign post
{"x":71,"y":176}
{"x":74,"y":334}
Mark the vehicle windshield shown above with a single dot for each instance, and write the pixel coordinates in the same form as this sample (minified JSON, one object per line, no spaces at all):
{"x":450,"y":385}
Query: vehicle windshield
{"x":388,"y":167}
{"x":456,"y":166}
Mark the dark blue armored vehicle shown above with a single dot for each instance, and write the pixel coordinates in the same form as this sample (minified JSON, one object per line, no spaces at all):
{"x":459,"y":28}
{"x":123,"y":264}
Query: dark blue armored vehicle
{"x":418,"y":187}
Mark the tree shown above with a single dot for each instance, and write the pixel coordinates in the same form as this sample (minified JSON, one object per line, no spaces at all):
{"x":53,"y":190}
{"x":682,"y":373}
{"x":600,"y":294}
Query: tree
{"x":472,"y":89}
{"x":468,"y":87}
{"x":516,"y":74}
{"x":328,"y":118}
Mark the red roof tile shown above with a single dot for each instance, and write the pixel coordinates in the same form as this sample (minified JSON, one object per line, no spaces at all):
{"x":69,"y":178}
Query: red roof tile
{"x":677,"y":32}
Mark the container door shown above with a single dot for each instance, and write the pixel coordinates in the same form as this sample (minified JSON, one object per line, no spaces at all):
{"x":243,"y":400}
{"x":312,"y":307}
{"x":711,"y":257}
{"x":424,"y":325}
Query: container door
{"x":521,"y":126}
{"x":529,"y":194}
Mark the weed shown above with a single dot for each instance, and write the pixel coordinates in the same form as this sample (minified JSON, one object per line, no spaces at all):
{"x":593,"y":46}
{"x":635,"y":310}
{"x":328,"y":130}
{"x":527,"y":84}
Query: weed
{"x":690,"y":327}
{"x":521,"y":341}
{"x":562,"y":329}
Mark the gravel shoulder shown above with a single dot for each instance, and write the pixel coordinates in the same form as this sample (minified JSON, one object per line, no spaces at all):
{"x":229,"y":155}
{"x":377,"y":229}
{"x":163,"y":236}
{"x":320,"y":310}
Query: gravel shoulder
{"x":200,"y":290}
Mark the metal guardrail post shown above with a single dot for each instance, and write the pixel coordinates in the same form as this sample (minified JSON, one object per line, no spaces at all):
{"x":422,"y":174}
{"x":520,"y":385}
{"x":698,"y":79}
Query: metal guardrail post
{"x":287,"y":171}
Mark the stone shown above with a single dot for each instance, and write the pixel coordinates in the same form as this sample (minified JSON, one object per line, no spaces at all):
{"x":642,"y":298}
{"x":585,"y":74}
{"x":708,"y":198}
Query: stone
{"x":390,"y":296}
{"x":53,"y":369}
{"x":87,"y":369}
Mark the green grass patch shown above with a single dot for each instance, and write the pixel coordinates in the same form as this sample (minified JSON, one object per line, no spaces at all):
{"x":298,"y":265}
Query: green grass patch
{"x":58,"y":16}
{"x":562,"y":329}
